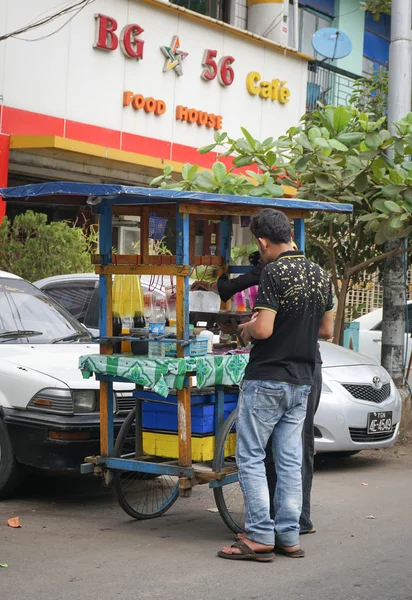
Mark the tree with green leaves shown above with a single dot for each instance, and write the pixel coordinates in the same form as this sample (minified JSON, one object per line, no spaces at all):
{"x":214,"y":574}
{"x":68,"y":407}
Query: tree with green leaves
{"x":336,"y":154}
{"x":34,"y":249}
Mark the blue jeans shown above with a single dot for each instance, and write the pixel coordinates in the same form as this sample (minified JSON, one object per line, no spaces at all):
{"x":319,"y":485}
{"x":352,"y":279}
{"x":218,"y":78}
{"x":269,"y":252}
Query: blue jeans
{"x":266,"y":408}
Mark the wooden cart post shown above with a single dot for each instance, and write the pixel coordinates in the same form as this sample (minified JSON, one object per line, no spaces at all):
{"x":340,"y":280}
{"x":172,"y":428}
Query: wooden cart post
{"x":106,"y":330}
{"x":182,"y":330}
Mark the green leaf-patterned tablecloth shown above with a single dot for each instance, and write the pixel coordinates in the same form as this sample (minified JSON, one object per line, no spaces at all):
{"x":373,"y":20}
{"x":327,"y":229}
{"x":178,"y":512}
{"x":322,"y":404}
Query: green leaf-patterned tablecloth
{"x":163,"y":374}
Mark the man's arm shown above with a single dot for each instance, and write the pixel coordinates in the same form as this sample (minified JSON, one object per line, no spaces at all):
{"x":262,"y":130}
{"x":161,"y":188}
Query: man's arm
{"x":326,"y":326}
{"x":226,"y":288}
{"x":260,"y":327}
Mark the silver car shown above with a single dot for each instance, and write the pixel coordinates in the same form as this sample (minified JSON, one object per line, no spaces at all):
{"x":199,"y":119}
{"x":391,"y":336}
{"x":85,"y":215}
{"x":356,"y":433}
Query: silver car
{"x":359,"y":408}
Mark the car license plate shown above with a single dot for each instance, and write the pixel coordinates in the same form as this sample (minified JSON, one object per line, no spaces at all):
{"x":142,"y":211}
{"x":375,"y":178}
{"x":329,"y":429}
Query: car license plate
{"x":379,"y":422}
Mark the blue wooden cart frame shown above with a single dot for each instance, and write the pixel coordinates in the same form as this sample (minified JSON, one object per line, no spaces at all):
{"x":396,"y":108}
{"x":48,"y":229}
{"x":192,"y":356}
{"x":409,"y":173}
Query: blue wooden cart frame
{"x":105,"y":200}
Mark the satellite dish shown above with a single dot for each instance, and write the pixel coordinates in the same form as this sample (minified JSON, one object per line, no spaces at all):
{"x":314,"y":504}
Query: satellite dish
{"x":331,"y":43}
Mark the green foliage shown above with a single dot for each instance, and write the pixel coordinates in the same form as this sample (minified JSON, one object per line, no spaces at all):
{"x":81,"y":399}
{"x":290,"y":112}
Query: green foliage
{"x":240,"y":254}
{"x":370,"y":94}
{"x":376,"y":7}
{"x":336,"y":154}
{"x":220,"y":181}
{"x":33,"y":249}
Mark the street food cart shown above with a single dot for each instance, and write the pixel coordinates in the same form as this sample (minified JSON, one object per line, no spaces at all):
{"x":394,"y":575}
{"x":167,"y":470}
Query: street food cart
{"x":177,"y":434}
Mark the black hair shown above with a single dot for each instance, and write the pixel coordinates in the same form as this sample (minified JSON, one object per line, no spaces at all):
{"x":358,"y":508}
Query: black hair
{"x":272,"y":225}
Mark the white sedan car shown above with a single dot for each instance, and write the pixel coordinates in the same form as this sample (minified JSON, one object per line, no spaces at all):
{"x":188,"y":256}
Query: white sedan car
{"x":370,"y":334}
{"x":360,"y":407}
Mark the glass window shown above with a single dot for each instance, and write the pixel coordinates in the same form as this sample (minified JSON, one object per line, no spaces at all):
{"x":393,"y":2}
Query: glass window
{"x":217,"y":9}
{"x":74,"y":296}
{"x":24,"y":308}
{"x":310,"y":21}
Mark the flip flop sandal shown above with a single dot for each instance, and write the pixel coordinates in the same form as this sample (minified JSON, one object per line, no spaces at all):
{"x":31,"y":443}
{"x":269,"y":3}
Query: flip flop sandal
{"x":295,"y":554}
{"x":247,"y":553}
{"x":313,"y":530}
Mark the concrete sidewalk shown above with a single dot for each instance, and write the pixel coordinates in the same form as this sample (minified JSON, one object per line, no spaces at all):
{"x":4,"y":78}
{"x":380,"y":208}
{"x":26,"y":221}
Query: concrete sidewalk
{"x":75,"y":542}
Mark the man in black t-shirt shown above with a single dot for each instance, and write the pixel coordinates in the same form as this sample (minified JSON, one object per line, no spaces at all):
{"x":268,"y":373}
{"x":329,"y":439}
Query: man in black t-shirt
{"x":226,"y":288}
{"x":293,"y":309}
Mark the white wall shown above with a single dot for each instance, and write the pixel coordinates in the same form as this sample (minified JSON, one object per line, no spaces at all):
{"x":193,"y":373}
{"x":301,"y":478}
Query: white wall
{"x":64,"y":76}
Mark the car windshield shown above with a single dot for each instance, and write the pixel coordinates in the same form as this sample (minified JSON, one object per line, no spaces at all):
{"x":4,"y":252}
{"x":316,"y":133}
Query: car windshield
{"x":28,"y":316}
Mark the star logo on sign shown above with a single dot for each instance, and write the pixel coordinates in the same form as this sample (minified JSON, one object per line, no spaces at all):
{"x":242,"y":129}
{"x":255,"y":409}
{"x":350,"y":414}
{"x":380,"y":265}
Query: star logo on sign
{"x":174,"y":56}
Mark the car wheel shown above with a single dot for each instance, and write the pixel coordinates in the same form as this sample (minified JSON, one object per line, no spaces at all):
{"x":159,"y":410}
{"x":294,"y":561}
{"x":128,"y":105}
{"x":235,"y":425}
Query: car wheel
{"x":11,"y":472}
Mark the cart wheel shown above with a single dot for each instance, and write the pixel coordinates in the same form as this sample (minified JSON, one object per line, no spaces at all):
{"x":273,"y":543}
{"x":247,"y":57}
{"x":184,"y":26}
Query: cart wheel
{"x":229,"y":498}
{"x":141,"y":495}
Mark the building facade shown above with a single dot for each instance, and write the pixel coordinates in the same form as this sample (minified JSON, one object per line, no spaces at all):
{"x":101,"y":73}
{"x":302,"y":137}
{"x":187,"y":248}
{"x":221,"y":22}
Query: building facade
{"x":117,"y":95}
{"x":121,"y":88}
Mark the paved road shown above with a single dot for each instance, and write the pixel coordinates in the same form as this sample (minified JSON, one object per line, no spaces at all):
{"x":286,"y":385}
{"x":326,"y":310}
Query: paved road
{"x":75,"y":543}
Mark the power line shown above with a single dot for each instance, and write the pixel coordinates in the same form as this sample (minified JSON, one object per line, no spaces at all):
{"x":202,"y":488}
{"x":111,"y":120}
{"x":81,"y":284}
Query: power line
{"x":275,"y":23}
{"x":44,"y":37}
{"x":77,"y":7}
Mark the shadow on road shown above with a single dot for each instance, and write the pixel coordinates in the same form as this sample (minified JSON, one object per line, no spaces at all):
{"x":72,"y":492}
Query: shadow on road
{"x":341,"y":462}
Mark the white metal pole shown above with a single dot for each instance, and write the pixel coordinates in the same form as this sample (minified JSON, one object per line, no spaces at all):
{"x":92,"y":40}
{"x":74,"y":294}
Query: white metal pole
{"x":296,"y":24}
{"x":399,"y":104}
{"x":400,"y":61}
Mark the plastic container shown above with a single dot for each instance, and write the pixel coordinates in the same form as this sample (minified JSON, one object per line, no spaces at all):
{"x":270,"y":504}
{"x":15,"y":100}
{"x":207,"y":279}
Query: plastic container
{"x":239,"y":301}
{"x":157,"y":322}
{"x":253,"y":292}
{"x":204,"y":302}
{"x":207,"y":335}
{"x":170,"y":292}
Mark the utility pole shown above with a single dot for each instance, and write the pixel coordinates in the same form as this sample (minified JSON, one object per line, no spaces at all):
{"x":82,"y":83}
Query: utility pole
{"x":399,"y":104}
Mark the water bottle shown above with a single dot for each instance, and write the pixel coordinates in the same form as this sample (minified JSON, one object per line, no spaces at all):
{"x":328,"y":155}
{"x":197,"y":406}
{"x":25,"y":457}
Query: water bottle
{"x":157,"y":322}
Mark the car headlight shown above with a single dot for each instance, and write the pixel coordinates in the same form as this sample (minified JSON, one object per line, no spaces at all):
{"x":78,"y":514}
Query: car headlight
{"x":84,"y":401}
{"x":64,"y":401}
{"x":52,"y":400}
{"x":326,"y":389}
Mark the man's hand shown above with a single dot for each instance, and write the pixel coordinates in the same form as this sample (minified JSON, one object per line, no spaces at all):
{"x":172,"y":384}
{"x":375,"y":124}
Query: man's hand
{"x":200,"y":286}
{"x":244,"y":328}
{"x":204,"y":286}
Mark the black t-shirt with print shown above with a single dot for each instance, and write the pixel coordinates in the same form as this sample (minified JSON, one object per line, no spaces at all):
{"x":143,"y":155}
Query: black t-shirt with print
{"x":300,"y":293}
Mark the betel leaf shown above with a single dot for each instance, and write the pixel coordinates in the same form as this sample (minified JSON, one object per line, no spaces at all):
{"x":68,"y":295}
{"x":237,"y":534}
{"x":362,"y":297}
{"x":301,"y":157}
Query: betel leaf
{"x":313,"y":133}
{"x":321,"y":143}
{"x":206,"y":149}
{"x":392,"y":206}
{"x":302,"y":162}
{"x":380,"y":237}
{"x":219,"y":171}
{"x":338,"y":145}
{"x":323,"y":182}
{"x":369,"y":217}
{"x":249,"y":138}
{"x":392,"y":189}
{"x":185,"y":170}
{"x":341,"y":117}
{"x":351,"y":138}
{"x":373,"y":141}
{"x":275,"y":190}
{"x":408,"y":194}
{"x":395,"y":222}
{"x":243,"y":161}
{"x":303,"y":140}
{"x":192,"y":172}
{"x":379,"y":204}
{"x":399,"y":148}
{"x":271,"y":158}
{"x":361,"y":182}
